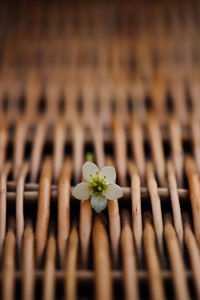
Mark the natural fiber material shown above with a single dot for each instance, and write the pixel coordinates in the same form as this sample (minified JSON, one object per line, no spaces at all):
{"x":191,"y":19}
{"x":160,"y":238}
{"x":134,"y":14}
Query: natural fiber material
{"x":118,"y":82}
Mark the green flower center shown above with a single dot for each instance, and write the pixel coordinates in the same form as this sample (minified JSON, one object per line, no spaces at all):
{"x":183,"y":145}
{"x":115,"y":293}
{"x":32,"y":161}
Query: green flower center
{"x":98,"y":185}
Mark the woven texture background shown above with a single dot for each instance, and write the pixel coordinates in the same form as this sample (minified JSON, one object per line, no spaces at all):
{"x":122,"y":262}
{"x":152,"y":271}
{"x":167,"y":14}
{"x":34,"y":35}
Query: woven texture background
{"x":120,"y":80}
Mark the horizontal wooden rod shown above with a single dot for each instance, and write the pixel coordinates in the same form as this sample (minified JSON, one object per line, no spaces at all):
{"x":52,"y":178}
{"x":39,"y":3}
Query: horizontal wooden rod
{"x":31,"y":193}
{"x":86,"y":276}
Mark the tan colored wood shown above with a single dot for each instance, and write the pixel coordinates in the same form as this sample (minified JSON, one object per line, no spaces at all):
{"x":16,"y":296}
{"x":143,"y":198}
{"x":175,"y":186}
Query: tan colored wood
{"x":3,"y":142}
{"x":136,"y":208}
{"x":78,"y":150}
{"x":157,"y":148}
{"x":158,"y":93}
{"x":177,"y":149}
{"x":32,"y":94}
{"x":102,"y":264}
{"x":71,"y":265}
{"x":194,"y":190}
{"x":38,"y":144}
{"x":28,"y":264}
{"x":179,"y":99}
{"x":120,"y":149}
{"x":49,"y":271}
{"x":129,"y":258}
{"x":20,"y":204}
{"x":194,"y":255}
{"x":176,"y":209}
{"x":176,"y":262}
{"x":195,"y":135}
{"x":156,"y":206}
{"x":137,"y":142}
{"x":153,"y":264}
{"x":114,"y":224}
{"x":64,"y":195}
{"x":43,"y":210}
{"x":3,"y":203}
{"x":97,"y":133}
{"x":59,"y":145}
{"x":19,"y":146}
{"x":8,"y":267}
{"x":85,"y":228}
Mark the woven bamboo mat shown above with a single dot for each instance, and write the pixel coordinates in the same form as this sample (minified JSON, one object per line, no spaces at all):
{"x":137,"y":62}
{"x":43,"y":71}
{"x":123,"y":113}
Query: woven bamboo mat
{"x":119,"y":81}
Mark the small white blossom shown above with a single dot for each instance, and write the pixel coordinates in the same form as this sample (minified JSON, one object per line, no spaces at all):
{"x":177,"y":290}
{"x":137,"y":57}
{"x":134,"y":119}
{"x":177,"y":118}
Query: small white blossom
{"x":99,"y":186}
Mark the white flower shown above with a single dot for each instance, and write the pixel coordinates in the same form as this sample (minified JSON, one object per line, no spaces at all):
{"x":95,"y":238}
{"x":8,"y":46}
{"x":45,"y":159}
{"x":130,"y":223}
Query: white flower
{"x":98,"y":185}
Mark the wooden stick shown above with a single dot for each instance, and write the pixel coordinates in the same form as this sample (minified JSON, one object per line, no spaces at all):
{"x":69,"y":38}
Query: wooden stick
{"x":195,"y":135}
{"x":153,"y":264}
{"x":157,"y":148}
{"x":137,"y":92}
{"x":176,"y":210}
{"x":120,"y":95}
{"x":130,"y":279}
{"x":71,"y":96}
{"x":85,"y":228}
{"x":19,"y":146}
{"x":71,"y":265}
{"x":195,"y":94}
{"x":52,"y":96}
{"x":28,"y":272}
{"x":137,"y":143}
{"x":114,"y":224}
{"x":32,"y":195}
{"x":20,"y":204}
{"x":88,"y":97}
{"x":59,"y":144}
{"x":177,"y":150}
{"x":136,"y":207}
{"x":178,"y":95}
{"x":194,"y":189}
{"x":36,"y":154}
{"x":102,"y":264}
{"x":85,"y":221}
{"x":176,"y":262}
{"x":194,"y":255}
{"x":43,"y":211}
{"x":8,"y":267}
{"x":3,"y":204}
{"x":3,"y":143}
{"x":49,"y":272}
{"x":105,"y":115}
{"x":120,"y":149}
{"x":97,"y":133}
{"x":156,"y":207}
{"x":158,"y":94}
{"x":87,"y":276}
{"x":115,"y":229}
{"x":64,"y":194}
{"x":78,"y":150}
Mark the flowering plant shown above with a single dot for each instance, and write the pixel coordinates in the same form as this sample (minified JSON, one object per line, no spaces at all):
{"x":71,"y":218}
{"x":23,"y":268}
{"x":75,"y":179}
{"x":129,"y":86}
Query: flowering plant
{"x":99,"y":186}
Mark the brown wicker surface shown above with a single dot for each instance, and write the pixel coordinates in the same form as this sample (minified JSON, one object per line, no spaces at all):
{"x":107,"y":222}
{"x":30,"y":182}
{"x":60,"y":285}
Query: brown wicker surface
{"x":120,"y":80}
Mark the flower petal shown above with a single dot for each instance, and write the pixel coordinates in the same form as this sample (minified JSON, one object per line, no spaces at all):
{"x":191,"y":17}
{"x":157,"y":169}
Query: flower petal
{"x":89,"y":169}
{"x":109,"y":173}
{"x":98,"y":203}
{"x":114,"y":192}
{"x":81,"y":191}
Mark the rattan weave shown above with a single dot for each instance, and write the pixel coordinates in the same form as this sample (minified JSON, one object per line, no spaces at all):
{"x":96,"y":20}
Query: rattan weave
{"x":120,"y":80}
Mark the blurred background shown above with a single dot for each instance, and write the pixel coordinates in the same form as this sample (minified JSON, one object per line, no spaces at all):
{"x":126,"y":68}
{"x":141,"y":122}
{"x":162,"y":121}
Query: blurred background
{"x":57,"y":51}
